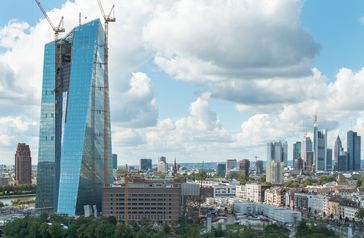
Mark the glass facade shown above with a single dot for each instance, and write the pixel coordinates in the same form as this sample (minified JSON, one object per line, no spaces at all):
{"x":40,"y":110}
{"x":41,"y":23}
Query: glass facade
{"x":296,"y":152}
{"x":354,"y":151}
{"x":145,"y":164}
{"x":77,"y":148}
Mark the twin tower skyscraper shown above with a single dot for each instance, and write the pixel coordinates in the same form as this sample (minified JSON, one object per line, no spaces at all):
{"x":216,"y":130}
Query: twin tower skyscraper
{"x":74,"y":159}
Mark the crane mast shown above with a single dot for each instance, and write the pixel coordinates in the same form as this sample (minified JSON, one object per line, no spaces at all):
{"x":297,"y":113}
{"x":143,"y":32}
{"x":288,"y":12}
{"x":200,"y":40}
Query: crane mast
{"x":126,"y":195}
{"x":107,"y":18}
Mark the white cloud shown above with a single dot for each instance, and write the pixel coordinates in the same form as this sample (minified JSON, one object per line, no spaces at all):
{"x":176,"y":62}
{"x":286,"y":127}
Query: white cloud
{"x":361,"y":20}
{"x":136,"y":107}
{"x":13,"y":32}
{"x":254,"y":53}
{"x":206,"y":40}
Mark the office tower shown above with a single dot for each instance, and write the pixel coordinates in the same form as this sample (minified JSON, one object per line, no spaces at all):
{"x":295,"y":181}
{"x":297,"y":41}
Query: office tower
{"x":309,"y":164}
{"x":306,"y":150}
{"x":319,"y":147}
{"x":74,"y":159}
{"x":162,"y":158}
{"x":145,"y":164}
{"x":338,"y":150}
{"x":175,"y":167}
{"x":114,"y":161}
{"x":277,"y":151}
{"x":296,"y":152}
{"x":221,"y":169}
{"x":353,"y":149}
{"x":159,"y":201}
{"x":275,"y":172}
{"x":342,"y":164}
{"x":244,"y":167}
{"x":258,"y":167}
{"x":23,"y":164}
{"x":231,"y":164}
{"x":162,"y":166}
{"x":329,"y":160}
{"x":285,"y":153}
{"x":299,"y":165}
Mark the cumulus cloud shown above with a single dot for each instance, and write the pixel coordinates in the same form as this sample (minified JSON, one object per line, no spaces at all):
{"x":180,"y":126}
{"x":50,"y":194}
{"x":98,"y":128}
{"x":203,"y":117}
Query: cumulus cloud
{"x":231,"y":39}
{"x":11,"y":33}
{"x":200,"y":132}
{"x":136,"y":107}
{"x":253,"y":53}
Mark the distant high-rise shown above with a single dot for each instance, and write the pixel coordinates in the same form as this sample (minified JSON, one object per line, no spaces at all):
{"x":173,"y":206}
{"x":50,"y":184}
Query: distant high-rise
{"x":338,"y":150}
{"x":145,"y":164}
{"x":285,"y":153}
{"x":23,"y":164}
{"x":275,"y":172}
{"x":75,"y":157}
{"x":244,"y":166}
{"x":309,"y":164}
{"x":231,"y":164}
{"x":114,"y":161}
{"x":307,"y":153}
{"x":299,"y":165}
{"x":342,"y":164}
{"x":354,"y":151}
{"x":175,"y":167}
{"x":163,"y":158}
{"x":296,"y":152}
{"x":221,"y":169}
{"x":162,"y":165}
{"x":319,"y":147}
{"x":258,"y":167}
{"x":329,"y":160}
{"x":277,"y":151}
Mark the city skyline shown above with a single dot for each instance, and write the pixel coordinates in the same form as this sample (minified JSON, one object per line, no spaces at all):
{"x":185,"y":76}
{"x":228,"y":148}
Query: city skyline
{"x":229,"y":106}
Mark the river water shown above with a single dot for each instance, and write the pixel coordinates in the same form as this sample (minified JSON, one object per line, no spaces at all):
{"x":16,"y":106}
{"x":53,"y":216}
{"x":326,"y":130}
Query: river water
{"x":7,"y":201}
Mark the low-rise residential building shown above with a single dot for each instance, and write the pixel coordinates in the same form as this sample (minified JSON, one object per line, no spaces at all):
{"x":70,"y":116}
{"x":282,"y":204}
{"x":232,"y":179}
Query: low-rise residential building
{"x":224,"y":190}
{"x":317,"y":203}
{"x":241,"y":192}
{"x":333,"y":208}
{"x":275,"y":196}
{"x":255,"y":192}
{"x":301,"y":201}
{"x":349,"y":212}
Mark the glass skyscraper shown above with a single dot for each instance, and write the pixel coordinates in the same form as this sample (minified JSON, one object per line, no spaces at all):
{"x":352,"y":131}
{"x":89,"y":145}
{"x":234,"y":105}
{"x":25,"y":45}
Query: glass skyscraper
{"x":354,"y":151}
{"x":74,"y":129}
{"x":296,"y":152}
{"x":277,"y":151}
{"x":319,"y":147}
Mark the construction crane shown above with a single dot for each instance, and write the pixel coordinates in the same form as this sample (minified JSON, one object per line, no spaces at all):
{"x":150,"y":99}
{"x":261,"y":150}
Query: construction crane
{"x":126,"y":195}
{"x":57,"y":29}
{"x":107,"y":18}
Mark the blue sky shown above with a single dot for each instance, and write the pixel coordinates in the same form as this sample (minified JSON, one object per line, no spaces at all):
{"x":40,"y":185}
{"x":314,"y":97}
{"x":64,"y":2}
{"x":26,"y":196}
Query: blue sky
{"x":207,"y":92}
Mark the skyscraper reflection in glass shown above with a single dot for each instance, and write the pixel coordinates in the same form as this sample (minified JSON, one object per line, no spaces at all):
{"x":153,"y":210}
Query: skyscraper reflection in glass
{"x":72,"y":133}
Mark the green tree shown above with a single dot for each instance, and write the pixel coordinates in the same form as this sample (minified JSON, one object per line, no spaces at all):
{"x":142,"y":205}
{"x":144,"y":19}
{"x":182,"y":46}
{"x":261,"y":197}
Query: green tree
{"x":123,"y":231}
{"x":56,"y":230}
{"x":360,"y":213}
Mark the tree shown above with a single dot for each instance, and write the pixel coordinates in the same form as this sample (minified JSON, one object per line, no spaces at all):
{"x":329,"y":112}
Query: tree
{"x":123,"y":231}
{"x":55,"y":230}
{"x":360,"y":213}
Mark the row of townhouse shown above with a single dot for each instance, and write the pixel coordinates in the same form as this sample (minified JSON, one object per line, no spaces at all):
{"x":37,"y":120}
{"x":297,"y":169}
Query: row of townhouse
{"x":327,"y":206}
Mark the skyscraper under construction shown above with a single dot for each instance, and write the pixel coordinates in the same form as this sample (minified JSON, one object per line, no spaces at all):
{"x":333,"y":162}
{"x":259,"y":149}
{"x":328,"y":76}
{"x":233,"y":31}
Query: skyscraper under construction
{"x":74,"y":161}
